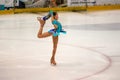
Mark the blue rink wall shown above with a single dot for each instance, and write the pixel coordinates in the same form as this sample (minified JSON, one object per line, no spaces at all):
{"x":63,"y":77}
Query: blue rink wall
{"x":2,"y":7}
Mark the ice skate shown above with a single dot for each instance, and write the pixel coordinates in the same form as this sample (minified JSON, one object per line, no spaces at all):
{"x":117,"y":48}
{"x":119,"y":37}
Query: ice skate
{"x":52,"y":61}
{"x":42,"y":22}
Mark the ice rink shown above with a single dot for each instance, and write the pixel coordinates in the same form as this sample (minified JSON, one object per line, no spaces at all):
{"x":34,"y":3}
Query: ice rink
{"x":89,"y":51}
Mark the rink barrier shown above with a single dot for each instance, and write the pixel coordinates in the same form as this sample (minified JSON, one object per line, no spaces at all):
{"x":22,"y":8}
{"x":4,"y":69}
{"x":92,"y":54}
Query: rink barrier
{"x":37,"y":10}
{"x":6,"y":12}
{"x":108,"y":7}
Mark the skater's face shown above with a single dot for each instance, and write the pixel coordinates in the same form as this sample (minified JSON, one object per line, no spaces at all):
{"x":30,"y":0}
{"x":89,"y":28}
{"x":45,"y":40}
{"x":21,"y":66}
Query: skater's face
{"x":56,"y":16}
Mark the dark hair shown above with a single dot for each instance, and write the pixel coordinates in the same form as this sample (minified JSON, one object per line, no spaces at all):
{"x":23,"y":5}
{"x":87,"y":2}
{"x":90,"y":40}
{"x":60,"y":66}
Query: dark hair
{"x":54,"y":13}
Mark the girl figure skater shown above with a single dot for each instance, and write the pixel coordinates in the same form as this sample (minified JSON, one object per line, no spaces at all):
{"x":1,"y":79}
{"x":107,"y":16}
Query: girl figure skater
{"x":53,"y":32}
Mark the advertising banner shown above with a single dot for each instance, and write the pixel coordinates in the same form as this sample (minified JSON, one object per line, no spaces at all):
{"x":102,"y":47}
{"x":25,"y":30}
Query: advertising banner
{"x":10,"y":3}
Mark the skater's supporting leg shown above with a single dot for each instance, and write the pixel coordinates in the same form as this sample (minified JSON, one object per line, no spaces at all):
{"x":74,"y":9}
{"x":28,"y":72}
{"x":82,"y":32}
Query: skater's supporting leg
{"x":55,"y":42}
